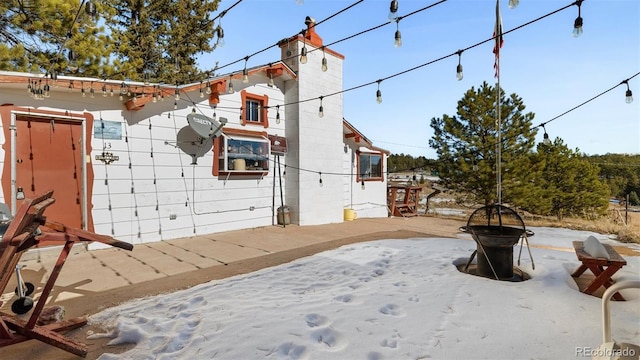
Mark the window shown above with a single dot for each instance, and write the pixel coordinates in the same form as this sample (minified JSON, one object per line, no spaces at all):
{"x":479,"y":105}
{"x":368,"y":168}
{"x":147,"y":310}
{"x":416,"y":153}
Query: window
{"x":241,"y":154}
{"x":254,"y":109}
{"x":369,"y":166}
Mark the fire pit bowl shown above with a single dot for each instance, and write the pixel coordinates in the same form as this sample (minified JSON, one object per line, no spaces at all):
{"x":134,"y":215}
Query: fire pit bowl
{"x":495,"y":229}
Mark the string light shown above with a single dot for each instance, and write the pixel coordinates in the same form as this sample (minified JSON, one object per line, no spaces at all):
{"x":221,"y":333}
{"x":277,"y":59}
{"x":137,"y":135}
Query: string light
{"x":214,"y":112}
{"x":577,"y":24}
{"x":175,"y":105}
{"x":201,"y":91}
{"x":277,"y":114}
{"x":393,"y":10}
{"x":398,"y":36}
{"x":122,"y":91}
{"x":104,"y":90}
{"x":379,"y":93}
{"x":459,"y":74}
{"x":245,"y":72}
{"x":321,"y":109}
{"x":324,"y":61}
{"x":513,"y":4}
{"x":208,"y":89}
{"x":545,"y":137}
{"x":320,"y":181}
{"x":362,"y":184}
{"x":230,"y":91}
{"x":628,"y":94}
{"x":92,"y":92}
{"x":47,"y":89}
{"x":111,"y":91}
{"x":177,"y":93}
{"x":303,"y":54}
{"x":82,"y":91}
{"x":220,"y":34}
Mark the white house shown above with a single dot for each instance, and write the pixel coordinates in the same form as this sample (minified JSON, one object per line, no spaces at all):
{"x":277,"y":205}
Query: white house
{"x":127,"y":158}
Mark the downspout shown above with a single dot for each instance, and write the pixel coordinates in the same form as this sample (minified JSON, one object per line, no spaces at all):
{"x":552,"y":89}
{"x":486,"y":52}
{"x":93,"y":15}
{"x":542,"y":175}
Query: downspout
{"x":85,"y":161}
{"x":12,"y":128}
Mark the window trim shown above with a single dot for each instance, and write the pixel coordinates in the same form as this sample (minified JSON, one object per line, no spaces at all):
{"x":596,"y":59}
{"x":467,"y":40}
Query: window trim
{"x":263,"y":101}
{"x":371,"y":178}
{"x":244,"y":134}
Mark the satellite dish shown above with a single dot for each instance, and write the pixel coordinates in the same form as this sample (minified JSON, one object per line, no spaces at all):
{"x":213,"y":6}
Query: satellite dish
{"x":205,"y":126}
{"x":193,"y":144}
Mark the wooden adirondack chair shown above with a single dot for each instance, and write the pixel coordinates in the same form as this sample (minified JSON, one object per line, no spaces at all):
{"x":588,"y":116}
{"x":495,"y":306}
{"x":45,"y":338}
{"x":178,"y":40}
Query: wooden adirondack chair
{"x":30,"y":228}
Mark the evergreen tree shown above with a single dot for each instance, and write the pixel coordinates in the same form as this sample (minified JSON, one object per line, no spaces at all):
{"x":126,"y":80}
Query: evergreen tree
{"x":466,"y":145}
{"x":161,"y":38}
{"x":39,"y":36}
{"x":568,"y":186}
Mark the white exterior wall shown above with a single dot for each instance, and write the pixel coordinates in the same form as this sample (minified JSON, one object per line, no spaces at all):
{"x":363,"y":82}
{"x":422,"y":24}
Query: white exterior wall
{"x":138,"y":204}
{"x":319,"y":145}
{"x":368,"y":202}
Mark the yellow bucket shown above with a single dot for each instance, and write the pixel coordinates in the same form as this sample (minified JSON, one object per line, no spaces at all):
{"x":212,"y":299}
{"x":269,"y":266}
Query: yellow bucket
{"x":349,"y":215}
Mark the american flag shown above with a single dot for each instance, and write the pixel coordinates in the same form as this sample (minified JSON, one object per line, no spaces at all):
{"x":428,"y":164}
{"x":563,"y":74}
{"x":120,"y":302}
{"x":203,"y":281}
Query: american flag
{"x":497,"y":34}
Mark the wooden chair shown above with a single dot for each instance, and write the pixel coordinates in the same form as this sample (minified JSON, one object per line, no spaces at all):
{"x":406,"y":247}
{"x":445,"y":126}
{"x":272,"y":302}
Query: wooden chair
{"x":28,"y":229}
{"x":602,"y":268}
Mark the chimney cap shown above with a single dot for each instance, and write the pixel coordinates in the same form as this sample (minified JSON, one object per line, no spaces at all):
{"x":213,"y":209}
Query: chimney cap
{"x":309,"y":21}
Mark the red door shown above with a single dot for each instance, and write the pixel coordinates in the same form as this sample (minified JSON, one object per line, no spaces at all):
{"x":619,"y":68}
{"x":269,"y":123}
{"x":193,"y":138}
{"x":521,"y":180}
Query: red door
{"x":49,"y":157}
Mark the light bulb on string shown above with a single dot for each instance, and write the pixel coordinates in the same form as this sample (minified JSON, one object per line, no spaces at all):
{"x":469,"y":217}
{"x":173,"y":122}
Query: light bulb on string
{"x":321,"y":108}
{"x":398,"y":36}
{"x":577,"y":24}
{"x":47,"y":89}
{"x":92,"y":92}
{"x":459,"y":74}
{"x":220,"y":34}
{"x":628,"y":94}
{"x":277,"y":114}
{"x":177,"y":93}
{"x":513,"y":4}
{"x":303,"y":54}
{"x":545,"y":136}
{"x":393,"y":10}
{"x":214,"y":112}
{"x":245,"y":72}
{"x":324,"y":61}
{"x":379,"y":93}
{"x":208,"y":89}
{"x":230,"y":91}
{"x":201,"y":91}
{"x":271,"y":82}
{"x":175,"y":105}
{"x":70,"y":88}
{"x":362,"y":184}
{"x":111,"y":91}
{"x":104,"y":90}
{"x":320,"y":181}
{"x":84,"y":94}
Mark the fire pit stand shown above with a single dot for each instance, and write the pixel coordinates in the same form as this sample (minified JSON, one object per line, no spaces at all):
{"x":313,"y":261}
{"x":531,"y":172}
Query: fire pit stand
{"x":495,"y":229}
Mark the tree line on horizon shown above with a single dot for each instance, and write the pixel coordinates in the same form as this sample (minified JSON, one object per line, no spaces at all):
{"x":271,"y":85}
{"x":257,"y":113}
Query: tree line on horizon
{"x":546,"y":178}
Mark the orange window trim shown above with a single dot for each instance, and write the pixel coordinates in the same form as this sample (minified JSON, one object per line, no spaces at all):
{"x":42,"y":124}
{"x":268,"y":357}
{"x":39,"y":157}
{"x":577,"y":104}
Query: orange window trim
{"x":216,"y":171}
{"x":263,"y":100}
{"x":358,"y":177}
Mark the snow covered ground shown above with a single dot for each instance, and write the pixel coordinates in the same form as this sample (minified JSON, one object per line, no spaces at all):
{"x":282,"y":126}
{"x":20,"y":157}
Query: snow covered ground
{"x":388,"y":299}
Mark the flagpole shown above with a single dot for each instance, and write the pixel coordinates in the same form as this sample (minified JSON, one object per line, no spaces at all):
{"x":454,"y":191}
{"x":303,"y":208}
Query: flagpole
{"x":498,"y":45}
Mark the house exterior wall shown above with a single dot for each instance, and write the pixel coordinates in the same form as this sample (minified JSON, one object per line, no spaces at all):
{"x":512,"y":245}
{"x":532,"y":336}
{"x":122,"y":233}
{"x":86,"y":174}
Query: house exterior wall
{"x":155,"y":191}
{"x":320,"y":145}
{"x":152,"y":192}
{"x":367,"y":202}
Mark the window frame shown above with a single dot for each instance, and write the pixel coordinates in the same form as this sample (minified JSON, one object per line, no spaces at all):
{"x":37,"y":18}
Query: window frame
{"x":378,"y":177}
{"x":221,"y":152}
{"x":263,"y":104}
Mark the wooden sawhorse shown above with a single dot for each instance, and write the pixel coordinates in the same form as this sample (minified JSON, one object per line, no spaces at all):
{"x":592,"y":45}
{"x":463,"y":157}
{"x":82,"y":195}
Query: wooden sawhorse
{"x":602,"y":268}
{"x":27,"y":229}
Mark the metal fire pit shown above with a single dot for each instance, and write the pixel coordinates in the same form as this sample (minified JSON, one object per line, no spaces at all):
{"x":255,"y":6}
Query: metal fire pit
{"x":495,"y":229}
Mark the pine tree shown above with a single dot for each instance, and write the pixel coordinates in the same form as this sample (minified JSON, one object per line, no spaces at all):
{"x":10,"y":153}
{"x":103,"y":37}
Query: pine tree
{"x":39,"y":36}
{"x":466,"y":145}
{"x":160,"y":39}
{"x":568,"y":186}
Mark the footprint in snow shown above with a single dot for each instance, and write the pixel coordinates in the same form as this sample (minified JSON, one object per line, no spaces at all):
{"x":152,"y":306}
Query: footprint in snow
{"x":316,"y":320}
{"x":392,"y":309}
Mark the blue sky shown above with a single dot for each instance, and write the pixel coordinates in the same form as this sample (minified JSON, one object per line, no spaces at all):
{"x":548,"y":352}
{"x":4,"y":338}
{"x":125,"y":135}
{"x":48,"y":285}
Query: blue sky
{"x":542,"y":63}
